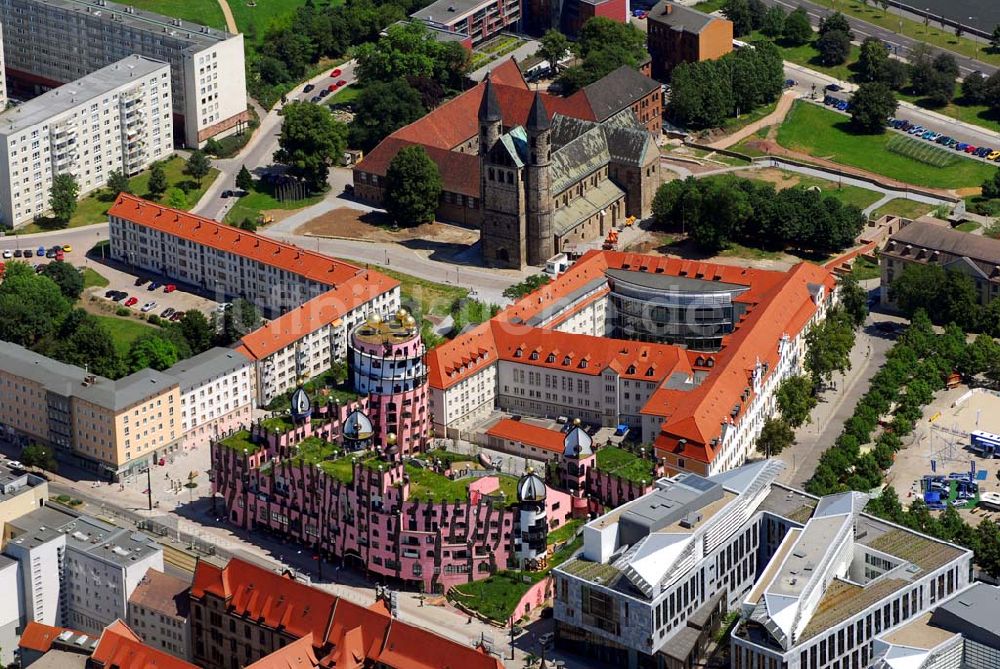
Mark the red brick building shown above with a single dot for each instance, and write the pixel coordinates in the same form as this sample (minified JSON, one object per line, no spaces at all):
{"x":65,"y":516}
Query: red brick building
{"x":678,"y":34}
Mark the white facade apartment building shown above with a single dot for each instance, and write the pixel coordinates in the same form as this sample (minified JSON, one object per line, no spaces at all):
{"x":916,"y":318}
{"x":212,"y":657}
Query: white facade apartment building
{"x":59,"y":41}
{"x":218,"y":393}
{"x":3,"y":79}
{"x":117,"y":118}
{"x":815,"y":579}
{"x":10,"y":610}
{"x":77,"y":571}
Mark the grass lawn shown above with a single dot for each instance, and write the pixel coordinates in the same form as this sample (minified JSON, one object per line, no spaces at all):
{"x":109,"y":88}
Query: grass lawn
{"x":566,"y":532}
{"x":735,"y":250}
{"x":428,"y":297}
{"x":92,"y":279}
{"x":205,"y":12}
{"x":807,"y":55}
{"x":731,"y":125}
{"x":968,"y":226}
{"x":239,"y":441}
{"x":825,"y":134}
{"x":625,"y":464}
{"x":980,"y":115}
{"x":344,"y":95}
{"x":709,"y":6}
{"x":94,"y":208}
{"x":863,"y":270}
{"x":934,"y":34}
{"x":856,"y":195}
{"x":904,"y":208}
{"x":124,"y":331}
{"x":261,"y":199}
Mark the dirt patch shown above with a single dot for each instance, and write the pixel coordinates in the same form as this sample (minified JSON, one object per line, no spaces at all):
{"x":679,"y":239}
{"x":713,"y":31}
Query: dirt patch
{"x":780,"y":179}
{"x":965,"y":192}
{"x":374,"y":227}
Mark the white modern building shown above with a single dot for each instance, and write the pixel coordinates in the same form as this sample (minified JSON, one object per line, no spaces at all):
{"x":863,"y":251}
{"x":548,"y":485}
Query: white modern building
{"x":218,"y":390}
{"x":313,"y":300}
{"x":815,"y":579}
{"x":53,"y":42}
{"x":77,"y":571}
{"x":117,"y":118}
{"x":10,"y":610}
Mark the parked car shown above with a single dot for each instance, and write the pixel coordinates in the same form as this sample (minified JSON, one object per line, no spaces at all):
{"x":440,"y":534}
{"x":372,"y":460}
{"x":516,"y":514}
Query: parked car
{"x":41,"y":251}
{"x":168,"y":312}
{"x":961,"y":146}
{"x":546,"y":638}
{"x":40,"y":267}
{"x":323,"y":93}
{"x":18,"y":253}
{"x":308,"y":88}
{"x":834,"y":87}
{"x":789,"y":83}
{"x":141,"y":281}
{"x":131,"y":301}
{"x":110,"y":293}
{"x":28,"y":253}
{"x":331,"y":87}
{"x":67,"y":248}
{"x":153,"y":286}
{"x":169,"y":288}
{"x":993,"y":155}
{"x":149,"y":306}
{"x":177,"y":316}
{"x":50,"y":254}
{"x":59,"y":255}
{"x":227,"y":193}
{"x":335,"y":73}
{"x":970,"y":148}
{"x":341,"y":83}
{"x":7,"y":254}
{"x":314,"y":99}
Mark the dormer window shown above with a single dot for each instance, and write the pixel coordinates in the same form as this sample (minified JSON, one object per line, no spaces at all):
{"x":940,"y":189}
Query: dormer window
{"x":551,"y":357}
{"x":534,"y":355}
{"x":566,"y":360}
{"x":630,"y":370}
{"x":649,"y":372}
{"x":583,"y":364}
{"x":518,"y":353}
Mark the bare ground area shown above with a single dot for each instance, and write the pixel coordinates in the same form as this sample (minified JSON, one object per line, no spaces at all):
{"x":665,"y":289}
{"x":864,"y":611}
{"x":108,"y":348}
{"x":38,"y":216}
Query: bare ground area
{"x":348,"y":223}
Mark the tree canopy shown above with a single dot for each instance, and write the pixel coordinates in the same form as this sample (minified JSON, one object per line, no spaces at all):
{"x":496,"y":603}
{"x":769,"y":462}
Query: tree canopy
{"x":198,"y":166}
{"x":604,"y":45}
{"x":796,"y":399}
{"x":412,"y":187}
{"x":63,"y":194}
{"x":798,"y":29}
{"x":67,"y":277}
{"x":381,"y":109}
{"x":310,"y":141}
{"x":933,"y":76}
{"x":871,"y":106}
{"x":31,"y":305}
{"x":410,"y":49}
{"x":775,"y":436}
{"x":151,"y":351}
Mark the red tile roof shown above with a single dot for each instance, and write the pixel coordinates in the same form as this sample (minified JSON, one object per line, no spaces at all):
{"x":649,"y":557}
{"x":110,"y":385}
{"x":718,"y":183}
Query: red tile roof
{"x":220,"y":236}
{"x":39,"y":637}
{"x":459,"y":171}
{"x":528,"y":434}
{"x":297,"y":655}
{"x":778,"y":304}
{"x":316,"y":313}
{"x":120,"y":647}
{"x":343,"y":634}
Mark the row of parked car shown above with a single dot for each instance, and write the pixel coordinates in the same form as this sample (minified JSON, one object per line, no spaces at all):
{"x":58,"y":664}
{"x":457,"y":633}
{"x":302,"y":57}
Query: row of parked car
{"x":56,"y":252}
{"x":944,"y":140}
{"x":126,"y":300}
{"x":155,"y":285}
{"x":836,"y":103}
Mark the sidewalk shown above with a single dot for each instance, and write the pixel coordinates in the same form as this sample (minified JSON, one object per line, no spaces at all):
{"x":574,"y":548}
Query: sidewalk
{"x":774,"y":118}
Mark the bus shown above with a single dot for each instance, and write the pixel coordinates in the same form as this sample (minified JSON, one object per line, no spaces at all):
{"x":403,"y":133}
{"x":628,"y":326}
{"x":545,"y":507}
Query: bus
{"x":985,"y":443}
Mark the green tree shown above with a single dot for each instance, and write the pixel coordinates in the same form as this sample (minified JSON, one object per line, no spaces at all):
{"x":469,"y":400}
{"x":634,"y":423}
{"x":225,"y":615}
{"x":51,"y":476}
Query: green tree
{"x":67,"y":277}
{"x":310,"y":141}
{"x":871,"y":106}
{"x":873,"y":60}
{"x":798,"y":30}
{"x":151,"y":351}
{"x":775,"y":436}
{"x":988,"y":547}
{"x":410,"y":50}
{"x":991,"y":187}
{"x":212,"y":147}
{"x":412,"y":187}
{"x":933,"y":76}
{"x":196,"y":330}
{"x":975,"y":88}
{"x":176,"y":198}
{"x":796,"y":399}
{"x":995,"y":39}
{"x":834,"y":47}
{"x":63,"y":194}
{"x":828,"y":347}
{"x":835,"y":22}
{"x":85,"y":341}
{"x":724,"y":209}
{"x":244,"y":180}
{"x":381,"y":109}
{"x":529,"y":285}
{"x":738,"y":12}
{"x":118,"y":183}
{"x":853,"y":299}
{"x":198,"y":166}
{"x":248,"y":224}
{"x":39,"y":456}
{"x":31,"y":305}
{"x":554,"y":47}
{"x":157,"y":181}
{"x":774,"y":22}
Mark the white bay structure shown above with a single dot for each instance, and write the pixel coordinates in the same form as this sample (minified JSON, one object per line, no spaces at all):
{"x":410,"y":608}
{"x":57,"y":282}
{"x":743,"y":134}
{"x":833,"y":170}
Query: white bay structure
{"x":53,"y":42}
{"x":117,"y":118}
{"x":815,"y":579}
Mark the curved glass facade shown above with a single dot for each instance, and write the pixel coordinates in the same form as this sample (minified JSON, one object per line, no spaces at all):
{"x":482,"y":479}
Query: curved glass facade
{"x":669,"y":309}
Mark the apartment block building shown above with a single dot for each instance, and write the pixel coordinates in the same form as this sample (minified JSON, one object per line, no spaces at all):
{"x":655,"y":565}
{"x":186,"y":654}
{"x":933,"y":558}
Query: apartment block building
{"x":106,"y":426}
{"x":814,"y":579}
{"x":687,"y":354}
{"x":77,"y":571}
{"x":114,"y":119}
{"x":241,"y":613}
{"x":679,"y":34}
{"x":158,"y":611}
{"x":218,"y":393}
{"x":53,"y":42}
{"x":924,"y":242}
{"x":479,"y":20}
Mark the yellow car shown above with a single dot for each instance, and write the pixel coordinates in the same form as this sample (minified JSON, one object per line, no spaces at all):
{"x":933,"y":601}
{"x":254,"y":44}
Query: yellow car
{"x":993,"y":155}
{"x":67,"y":248}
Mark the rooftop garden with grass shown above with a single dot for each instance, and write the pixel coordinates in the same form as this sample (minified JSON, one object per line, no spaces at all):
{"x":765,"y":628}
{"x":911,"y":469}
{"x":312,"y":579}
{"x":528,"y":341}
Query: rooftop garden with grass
{"x":239,"y":441}
{"x":497,"y":596}
{"x":625,"y":464}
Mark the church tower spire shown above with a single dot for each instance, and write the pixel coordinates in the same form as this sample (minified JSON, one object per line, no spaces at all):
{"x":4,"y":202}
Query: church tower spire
{"x":538,"y":175}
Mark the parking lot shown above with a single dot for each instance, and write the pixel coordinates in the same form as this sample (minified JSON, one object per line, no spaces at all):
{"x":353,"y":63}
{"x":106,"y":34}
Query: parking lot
{"x":139,"y":291}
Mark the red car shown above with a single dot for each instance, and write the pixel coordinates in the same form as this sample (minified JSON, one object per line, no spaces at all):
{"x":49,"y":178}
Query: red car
{"x":130,"y":301}
{"x":169,"y":288}
{"x":341,"y":83}
{"x":331,"y":87}
{"x":970,"y":148}
{"x":335,"y":73}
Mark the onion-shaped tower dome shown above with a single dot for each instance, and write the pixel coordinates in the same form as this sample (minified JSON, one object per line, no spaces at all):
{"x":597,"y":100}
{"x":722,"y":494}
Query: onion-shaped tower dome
{"x":577,"y":444}
{"x":358,"y":427}
{"x":530,"y":487}
{"x":301,"y":405}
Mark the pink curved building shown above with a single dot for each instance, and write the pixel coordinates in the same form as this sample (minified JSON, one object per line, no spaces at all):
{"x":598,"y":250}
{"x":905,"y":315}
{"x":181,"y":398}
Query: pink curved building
{"x":387,"y":365}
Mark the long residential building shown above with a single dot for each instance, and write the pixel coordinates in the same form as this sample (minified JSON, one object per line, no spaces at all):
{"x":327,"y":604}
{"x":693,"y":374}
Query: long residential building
{"x":77,"y":571}
{"x":688,"y":354}
{"x":114,"y":119}
{"x":54,"y":42}
{"x":815,"y":579}
{"x":315,"y":301}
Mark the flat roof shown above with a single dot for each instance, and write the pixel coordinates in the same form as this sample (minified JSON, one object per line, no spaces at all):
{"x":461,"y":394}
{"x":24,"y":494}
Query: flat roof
{"x":673,"y":283}
{"x":206,"y":365}
{"x":447,"y":11}
{"x":76,"y":93}
{"x":810,"y":547}
{"x":976,"y":607}
{"x":919,"y":633}
{"x":195,"y":33}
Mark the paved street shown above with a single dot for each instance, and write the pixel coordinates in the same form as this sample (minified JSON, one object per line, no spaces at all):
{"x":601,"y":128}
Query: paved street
{"x":837,"y":403}
{"x":902,"y":45}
